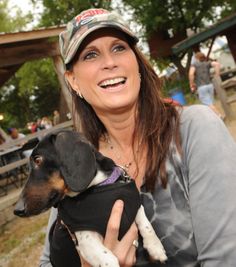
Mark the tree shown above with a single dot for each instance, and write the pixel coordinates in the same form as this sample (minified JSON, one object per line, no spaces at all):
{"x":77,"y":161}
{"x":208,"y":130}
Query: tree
{"x":41,"y":87}
{"x":12,"y":23}
{"x":58,"y":12}
{"x":175,"y":17}
{"x":26,"y":97}
{"x":11,"y":102}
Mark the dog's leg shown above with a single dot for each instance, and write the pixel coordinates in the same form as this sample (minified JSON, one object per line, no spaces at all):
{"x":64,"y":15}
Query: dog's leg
{"x":93,"y":251}
{"x":150,"y":240}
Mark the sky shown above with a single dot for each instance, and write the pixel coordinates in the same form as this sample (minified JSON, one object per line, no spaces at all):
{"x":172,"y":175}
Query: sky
{"x":26,"y":6}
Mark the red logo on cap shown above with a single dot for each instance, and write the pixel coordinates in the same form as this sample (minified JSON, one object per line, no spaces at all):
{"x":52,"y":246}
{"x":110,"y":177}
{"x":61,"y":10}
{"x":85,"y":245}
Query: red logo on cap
{"x":90,"y":13}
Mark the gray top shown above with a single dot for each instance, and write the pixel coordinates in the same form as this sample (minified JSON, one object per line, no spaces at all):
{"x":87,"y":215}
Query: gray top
{"x":195,"y":216}
{"x":202,"y":75}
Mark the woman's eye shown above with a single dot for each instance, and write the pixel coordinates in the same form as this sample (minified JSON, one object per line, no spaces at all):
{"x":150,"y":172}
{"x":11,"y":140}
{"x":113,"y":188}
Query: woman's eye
{"x":38,"y":160}
{"x":119,"y":48}
{"x":90,"y":55}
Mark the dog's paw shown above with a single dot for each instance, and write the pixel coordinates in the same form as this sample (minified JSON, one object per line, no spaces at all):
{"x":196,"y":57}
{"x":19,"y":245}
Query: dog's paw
{"x":155,"y":249}
{"x":108,"y":260}
{"x":103,"y":259}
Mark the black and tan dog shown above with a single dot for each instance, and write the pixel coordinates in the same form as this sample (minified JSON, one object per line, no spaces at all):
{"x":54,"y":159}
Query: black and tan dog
{"x":68,"y":173}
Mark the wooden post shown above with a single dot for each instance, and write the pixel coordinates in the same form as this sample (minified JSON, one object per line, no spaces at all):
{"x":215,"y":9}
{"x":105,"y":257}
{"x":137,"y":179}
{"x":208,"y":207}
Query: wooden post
{"x":222,"y":96}
{"x":59,"y":67}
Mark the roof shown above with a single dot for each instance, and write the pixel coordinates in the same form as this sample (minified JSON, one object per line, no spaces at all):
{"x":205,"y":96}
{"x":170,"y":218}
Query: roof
{"x":17,"y":48}
{"x":217,"y":29}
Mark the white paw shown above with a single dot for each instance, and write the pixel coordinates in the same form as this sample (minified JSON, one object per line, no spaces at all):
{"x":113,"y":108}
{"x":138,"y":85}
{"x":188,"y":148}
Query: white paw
{"x":108,"y":260}
{"x":93,"y":251}
{"x":155,"y":249}
{"x":104,"y":258}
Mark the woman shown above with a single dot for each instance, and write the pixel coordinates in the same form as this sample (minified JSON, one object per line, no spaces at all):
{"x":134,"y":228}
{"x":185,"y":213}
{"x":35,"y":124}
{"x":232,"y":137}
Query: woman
{"x":182,"y":159}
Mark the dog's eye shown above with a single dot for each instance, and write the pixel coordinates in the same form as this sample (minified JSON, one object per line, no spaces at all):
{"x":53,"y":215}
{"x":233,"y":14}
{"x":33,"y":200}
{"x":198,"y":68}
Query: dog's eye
{"x":38,"y":160}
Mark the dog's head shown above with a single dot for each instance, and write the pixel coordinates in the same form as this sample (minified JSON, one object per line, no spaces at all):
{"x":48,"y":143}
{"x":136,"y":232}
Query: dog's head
{"x":61,"y":163}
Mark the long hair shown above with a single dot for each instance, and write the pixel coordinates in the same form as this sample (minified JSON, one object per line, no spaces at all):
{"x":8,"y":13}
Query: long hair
{"x":157,"y":122}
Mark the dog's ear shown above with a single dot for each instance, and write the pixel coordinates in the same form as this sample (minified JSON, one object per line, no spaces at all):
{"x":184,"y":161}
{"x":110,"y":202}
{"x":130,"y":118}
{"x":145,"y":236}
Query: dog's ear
{"x":77,"y":159}
{"x":105,"y":164}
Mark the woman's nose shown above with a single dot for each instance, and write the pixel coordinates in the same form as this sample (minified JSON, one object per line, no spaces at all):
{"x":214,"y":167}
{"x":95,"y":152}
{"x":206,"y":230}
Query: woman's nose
{"x":109,"y":61}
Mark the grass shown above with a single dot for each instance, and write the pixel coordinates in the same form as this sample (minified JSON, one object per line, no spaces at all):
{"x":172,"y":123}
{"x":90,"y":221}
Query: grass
{"x":21,"y":241}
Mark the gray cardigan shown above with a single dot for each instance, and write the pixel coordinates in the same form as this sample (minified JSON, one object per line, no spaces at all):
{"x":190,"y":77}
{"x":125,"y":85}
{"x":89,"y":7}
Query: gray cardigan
{"x":195,"y":217}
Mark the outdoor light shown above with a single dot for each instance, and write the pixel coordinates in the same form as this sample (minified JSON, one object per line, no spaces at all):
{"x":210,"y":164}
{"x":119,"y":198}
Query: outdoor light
{"x":1,"y":117}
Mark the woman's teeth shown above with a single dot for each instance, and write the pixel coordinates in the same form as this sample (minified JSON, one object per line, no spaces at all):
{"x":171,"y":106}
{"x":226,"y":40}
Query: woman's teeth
{"x":112,"y":82}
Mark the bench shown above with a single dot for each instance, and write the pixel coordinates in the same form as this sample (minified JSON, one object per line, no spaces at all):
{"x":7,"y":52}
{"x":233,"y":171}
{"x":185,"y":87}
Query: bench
{"x":15,"y":172}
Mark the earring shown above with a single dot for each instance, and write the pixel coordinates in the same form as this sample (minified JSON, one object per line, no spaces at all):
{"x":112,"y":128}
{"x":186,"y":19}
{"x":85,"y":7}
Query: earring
{"x":79,"y":94}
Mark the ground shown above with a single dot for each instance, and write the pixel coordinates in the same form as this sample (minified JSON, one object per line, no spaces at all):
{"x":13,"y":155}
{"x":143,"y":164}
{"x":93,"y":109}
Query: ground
{"x":21,"y":241}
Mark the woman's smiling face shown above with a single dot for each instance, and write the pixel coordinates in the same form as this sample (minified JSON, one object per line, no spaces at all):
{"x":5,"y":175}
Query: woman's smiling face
{"x":106,"y":72}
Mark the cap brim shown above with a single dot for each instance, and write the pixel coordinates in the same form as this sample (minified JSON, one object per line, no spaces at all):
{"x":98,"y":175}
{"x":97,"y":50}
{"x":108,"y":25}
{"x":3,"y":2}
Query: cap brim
{"x":73,"y":48}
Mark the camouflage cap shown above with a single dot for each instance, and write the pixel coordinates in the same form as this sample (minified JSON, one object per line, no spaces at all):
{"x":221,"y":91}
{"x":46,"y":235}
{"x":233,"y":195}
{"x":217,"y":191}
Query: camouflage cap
{"x":85,"y":23}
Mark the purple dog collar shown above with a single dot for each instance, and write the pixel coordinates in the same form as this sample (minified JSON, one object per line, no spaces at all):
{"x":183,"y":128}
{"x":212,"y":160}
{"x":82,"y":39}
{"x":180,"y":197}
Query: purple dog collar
{"x":114,"y":176}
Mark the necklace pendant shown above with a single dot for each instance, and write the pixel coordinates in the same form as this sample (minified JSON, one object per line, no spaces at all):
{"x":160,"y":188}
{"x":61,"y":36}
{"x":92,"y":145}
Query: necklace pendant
{"x":128,"y":165}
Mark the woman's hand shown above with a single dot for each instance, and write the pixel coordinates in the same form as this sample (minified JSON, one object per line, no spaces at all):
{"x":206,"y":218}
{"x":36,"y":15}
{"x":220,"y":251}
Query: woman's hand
{"x":124,"y":249}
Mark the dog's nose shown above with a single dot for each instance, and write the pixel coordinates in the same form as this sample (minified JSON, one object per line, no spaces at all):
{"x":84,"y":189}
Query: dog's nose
{"x":20,"y":208}
{"x":20,"y":213}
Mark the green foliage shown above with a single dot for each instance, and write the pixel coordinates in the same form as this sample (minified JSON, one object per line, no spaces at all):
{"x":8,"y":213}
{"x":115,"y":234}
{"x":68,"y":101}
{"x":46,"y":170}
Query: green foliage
{"x":228,"y":8}
{"x":59,"y":12}
{"x":10,"y":23}
{"x":178,"y":15}
{"x":32,"y":93}
{"x":174,"y":84}
{"x":41,"y":87}
{"x":11,"y":105}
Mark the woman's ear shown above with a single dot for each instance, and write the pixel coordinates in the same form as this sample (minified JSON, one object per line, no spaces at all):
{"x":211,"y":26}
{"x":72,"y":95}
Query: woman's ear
{"x":70,"y":78}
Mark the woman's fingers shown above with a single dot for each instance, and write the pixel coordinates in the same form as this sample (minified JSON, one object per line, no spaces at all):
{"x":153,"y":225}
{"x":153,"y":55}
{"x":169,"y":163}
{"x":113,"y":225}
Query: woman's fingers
{"x":129,"y":237}
{"x":113,"y":226}
{"x":124,"y":249}
{"x":131,"y":257}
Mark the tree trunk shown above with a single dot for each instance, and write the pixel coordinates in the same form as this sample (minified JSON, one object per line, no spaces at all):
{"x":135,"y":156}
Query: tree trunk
{"x":181,"y":69}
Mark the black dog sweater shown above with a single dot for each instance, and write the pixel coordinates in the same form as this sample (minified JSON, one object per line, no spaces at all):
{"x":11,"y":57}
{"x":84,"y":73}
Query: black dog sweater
{"x":91,"y":210}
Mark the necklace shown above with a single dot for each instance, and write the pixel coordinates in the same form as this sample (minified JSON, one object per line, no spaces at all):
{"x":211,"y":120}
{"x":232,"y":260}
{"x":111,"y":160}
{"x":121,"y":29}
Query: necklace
{"x":127,"y":165}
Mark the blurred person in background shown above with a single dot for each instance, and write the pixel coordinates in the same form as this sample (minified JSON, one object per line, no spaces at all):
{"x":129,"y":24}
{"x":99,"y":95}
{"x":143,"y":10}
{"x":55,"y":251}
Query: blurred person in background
{"x":200,"y":80}
{"x":56,"y":117}
{"x":46,"y":123}
{"x":16,"y":135}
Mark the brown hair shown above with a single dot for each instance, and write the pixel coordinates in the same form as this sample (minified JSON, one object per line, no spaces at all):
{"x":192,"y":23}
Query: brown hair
{"x":200,"y":56}
{"x":157,"y":122}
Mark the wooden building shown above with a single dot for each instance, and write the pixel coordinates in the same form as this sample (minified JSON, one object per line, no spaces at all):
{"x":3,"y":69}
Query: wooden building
{"x":20,"y":47}
{"x":226,"y":27}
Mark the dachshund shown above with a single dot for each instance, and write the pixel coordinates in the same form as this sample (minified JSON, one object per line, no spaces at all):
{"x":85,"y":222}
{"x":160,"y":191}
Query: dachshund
{"x":67,"y":172}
